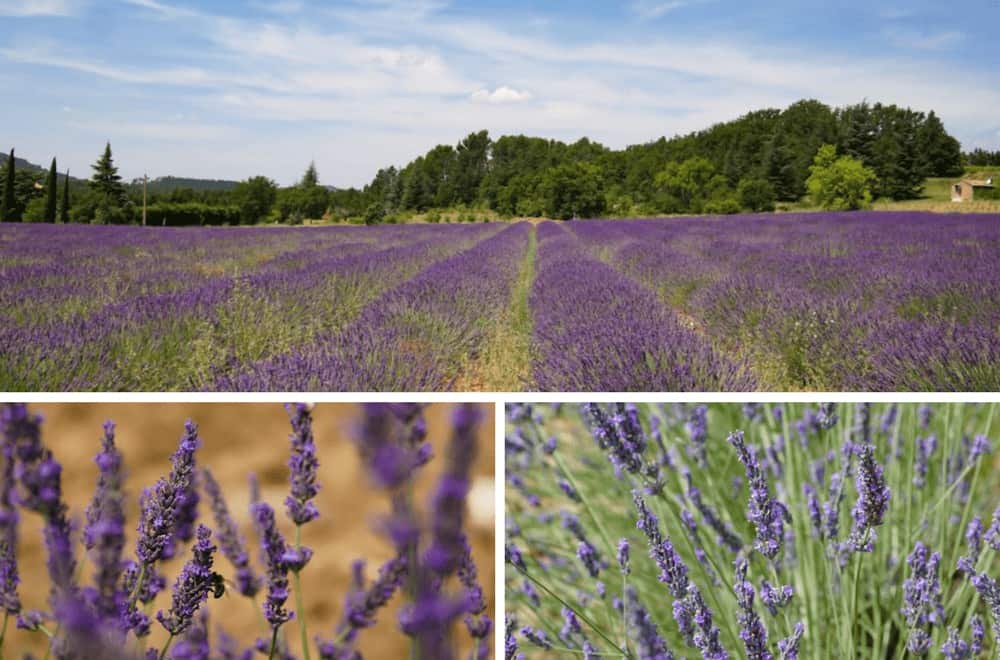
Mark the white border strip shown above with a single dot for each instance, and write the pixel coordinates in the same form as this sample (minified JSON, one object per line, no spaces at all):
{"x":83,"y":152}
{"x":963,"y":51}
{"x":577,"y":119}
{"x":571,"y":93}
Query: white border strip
{"x":500,"y":397}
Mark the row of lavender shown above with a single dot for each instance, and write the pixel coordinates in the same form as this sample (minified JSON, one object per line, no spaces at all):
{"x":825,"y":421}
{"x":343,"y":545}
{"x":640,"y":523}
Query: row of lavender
{"x":132,"y":309}
{"x":757,"y":531}
{"x":864,"y":301}
{"x":597,"y":330}
{"x":108,"y":615}
{"x":419,"y":336}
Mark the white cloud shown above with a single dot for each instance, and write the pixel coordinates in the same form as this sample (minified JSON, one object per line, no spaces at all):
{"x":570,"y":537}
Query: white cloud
{"x":502,"y":94}
{"x":40,"y":7}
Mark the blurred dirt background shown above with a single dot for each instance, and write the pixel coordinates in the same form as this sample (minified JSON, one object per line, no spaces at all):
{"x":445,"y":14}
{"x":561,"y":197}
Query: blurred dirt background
{"x":238,"y":439}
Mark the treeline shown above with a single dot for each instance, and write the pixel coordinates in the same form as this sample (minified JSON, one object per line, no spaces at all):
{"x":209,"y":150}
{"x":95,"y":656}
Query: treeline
{"x":983,"y":158}
{"x":28,"y":195}
{"x":750,"y":163}
{"x":762,"y":159}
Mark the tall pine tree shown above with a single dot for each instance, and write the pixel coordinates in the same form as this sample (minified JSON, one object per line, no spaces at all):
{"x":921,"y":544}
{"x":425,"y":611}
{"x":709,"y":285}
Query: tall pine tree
{"x":8,"y":206}
{"x":64,"y":208}
{"x":105,"y":179}
{"x":311,"y":177}
{"x":50,"y":194}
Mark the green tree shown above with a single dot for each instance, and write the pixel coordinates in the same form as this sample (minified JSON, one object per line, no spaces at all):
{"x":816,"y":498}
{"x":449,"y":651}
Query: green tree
{"x":374,"y":214}
{"x":311,"y":177}
{"x":8,"y":205}
{"x":51,"y":193}
{"x":255,"y":198}
{"x":573,"y":190}
{"x":105,"y":180}
{"x":64,"y":207}
{"x":687,"y":186}
{"x":839,"y":183}
{"x":756,"y":195}
{"x":940,"y":153}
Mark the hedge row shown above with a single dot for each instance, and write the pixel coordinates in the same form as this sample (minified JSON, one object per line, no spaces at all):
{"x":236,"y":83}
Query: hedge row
{"x":185,"y":214}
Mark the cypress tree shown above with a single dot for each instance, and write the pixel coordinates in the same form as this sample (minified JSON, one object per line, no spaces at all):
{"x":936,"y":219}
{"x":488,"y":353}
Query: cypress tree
{"x":50,"y":194}
{"x":8,"y":207}
{"x":106,"y":179}
{"x":64,"y":209}
{"x":310,"y":178}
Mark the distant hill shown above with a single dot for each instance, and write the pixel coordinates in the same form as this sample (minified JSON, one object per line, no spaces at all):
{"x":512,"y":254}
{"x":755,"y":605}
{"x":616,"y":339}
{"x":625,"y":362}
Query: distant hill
{"x":28,"y":166}
{"x":165,"y":184}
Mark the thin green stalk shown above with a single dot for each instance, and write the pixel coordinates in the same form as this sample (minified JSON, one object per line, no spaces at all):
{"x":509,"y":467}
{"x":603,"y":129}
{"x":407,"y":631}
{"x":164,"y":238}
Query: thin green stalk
{"x":583,"y":617}
{"x":274,"y":644}
{"x":166,"y":647}
{"x":3,"y":632}
{"x":586,"y":504}
{"x":303,"y":633}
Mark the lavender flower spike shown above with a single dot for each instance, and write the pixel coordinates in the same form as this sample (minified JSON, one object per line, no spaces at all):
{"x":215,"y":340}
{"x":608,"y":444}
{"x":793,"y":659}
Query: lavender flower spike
{"x":768,"y":515}
{"x":10,"y":602}
{"x":104,"y":536}
{"x":752,"y":630}
{"x":302,"y":466}
{"x":228,"y":535}
{"x":39,"y":479}
{"x":873,"y":500}
{"x":156,"y":526}
{"x":448,"y":501}
{"x":192,"y":586}
{"x":273,"y":547}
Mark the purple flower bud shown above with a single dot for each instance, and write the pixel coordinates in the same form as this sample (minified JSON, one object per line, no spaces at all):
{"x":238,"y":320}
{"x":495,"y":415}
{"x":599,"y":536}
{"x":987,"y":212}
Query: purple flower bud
{"x":648,"y":640}
{"x":925,"y":448}
{"x":104,"y":535}
{"x":273,"y":546}
{"x":697,"y":428}
{"x":302,"y":466}
{"x":536,"y":637}
{"x":568,"y":489}
{"x":955,"y":648}
{"x":789,"y":646}
{"x":588,"y":555}
{"x":448,"y":501}
{"x":159,"y":510}
{"x":775,"y":598}
{"x":192,"y":586}
{"x":752,"y":630}
{"x":767,"y":515}
{"x":873,"y":500}
{"x":623,"y":556}
{"x":922,"y":607}
{"x":228,"y":535}
{"x":513,"y":556}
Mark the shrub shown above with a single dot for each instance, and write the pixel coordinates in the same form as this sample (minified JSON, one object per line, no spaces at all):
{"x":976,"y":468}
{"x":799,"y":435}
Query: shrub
{"x":843,"y":530}
{"x":839,"y":183}
{"x":756,"y":195}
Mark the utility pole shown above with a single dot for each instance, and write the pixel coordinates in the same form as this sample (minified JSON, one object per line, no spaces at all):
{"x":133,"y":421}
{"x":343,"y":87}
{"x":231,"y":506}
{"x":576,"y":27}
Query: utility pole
{"x":145,"y":180}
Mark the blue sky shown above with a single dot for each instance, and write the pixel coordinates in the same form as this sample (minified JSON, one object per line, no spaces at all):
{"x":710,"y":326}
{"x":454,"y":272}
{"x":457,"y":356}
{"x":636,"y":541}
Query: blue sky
{"x":234,"y":89}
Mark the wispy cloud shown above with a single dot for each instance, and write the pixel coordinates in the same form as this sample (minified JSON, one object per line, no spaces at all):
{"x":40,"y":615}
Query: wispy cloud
{"x":920,"y":40}
{"x":40,"y":7}
{"x":651,"y":9}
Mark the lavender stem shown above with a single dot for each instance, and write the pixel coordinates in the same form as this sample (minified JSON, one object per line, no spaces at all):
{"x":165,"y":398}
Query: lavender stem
{"x":166,"y":647}
{"x":298,"y":599}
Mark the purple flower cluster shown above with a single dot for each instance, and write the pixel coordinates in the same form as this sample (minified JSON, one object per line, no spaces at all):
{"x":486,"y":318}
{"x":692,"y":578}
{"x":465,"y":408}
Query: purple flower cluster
{"x":98,"y":619}
{"x":873,"y":500}
{"x":922,"y":607}
{"x":302,"y":466}
{"x":767,"y":514}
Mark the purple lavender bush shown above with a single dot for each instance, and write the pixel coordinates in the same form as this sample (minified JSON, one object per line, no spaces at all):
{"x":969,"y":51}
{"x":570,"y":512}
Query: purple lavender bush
{"x":104,"y":601}
{"x":655,"y":531}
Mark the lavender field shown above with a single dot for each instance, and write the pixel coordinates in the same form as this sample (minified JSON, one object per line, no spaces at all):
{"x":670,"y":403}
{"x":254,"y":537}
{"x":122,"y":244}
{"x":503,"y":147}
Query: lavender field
{"x":824,"y":301}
